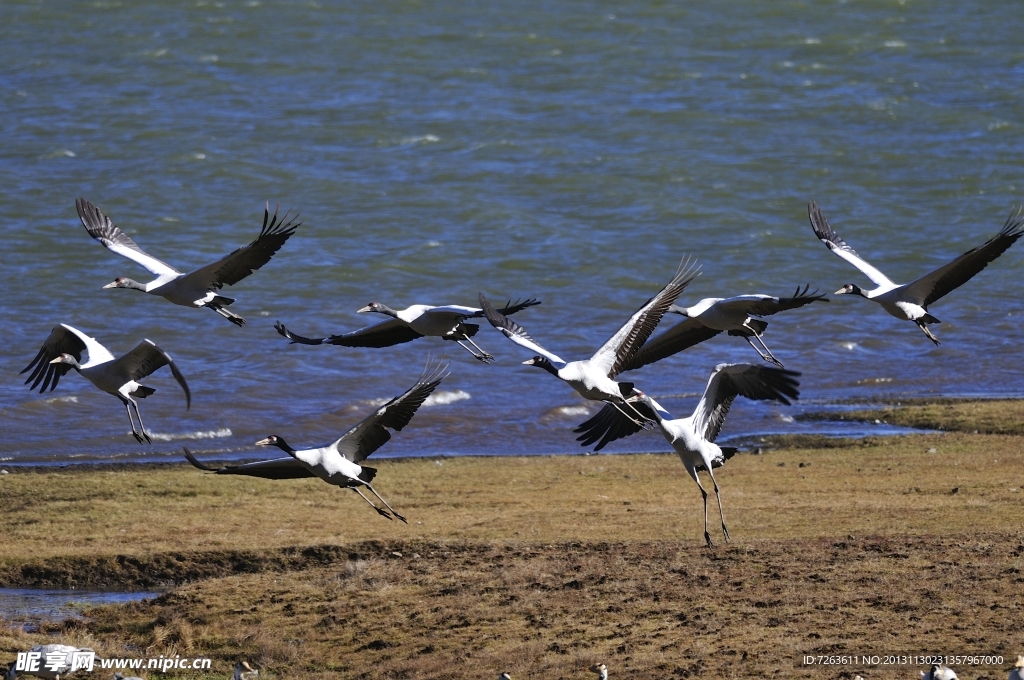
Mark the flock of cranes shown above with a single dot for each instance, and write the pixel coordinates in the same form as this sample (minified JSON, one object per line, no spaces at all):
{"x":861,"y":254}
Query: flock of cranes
{"x":627,"y":409}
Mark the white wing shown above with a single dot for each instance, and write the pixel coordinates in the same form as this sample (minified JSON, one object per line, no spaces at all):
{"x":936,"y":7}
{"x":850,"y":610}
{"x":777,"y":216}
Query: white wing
{"x":98,"y":354}
{"x":515,"y":332}
{"x":838,"y":246}
{"x":63,"y":339}
{"x":614,"y":355}
{"x":453,"y":309}
{"x":103,"y":230}
{"x":751,"y":381}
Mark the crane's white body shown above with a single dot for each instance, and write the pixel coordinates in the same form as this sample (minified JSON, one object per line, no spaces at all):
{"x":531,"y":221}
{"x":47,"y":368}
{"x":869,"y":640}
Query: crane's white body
{"x":910,"y":301}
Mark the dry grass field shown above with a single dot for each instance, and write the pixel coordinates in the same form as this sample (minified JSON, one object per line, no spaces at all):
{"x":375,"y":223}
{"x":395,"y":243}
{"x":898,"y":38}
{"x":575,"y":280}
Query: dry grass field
{"x":544,"y":565}
{"x":991,"y":416}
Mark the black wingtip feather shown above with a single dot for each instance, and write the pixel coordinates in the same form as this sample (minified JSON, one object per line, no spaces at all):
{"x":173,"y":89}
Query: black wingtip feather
{"x":296,"y":339}
{"x":195,"y":461}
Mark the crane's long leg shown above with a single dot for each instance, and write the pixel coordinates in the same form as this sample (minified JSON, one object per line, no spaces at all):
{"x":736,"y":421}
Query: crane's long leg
{"x":767,"y":353}
{"x":721,"y":512}
{"x":693,"y":473}
{"x":482,"y":356}
{"x":393,"y":511}
{"x":141,"y":426}
{"x":926,"y":331}
{"x":230,"y":316}
{"x":486,"y":355}
{"x":128,"y":408}
{"x":381,"y":511}
{"x":640,"y":420}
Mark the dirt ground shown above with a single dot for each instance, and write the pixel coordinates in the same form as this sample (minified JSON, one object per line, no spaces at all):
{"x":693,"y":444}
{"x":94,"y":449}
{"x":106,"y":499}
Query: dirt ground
{"x":542,"y":566}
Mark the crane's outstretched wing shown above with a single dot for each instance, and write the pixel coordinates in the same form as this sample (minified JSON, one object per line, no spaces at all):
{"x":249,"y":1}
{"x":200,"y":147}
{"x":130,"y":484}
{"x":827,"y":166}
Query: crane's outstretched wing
{"x":748,"y":380}
{"x":515,"y":332}
{"x":938,"y":283}
{"x":766,"y":305}
{"x":610,"y":423}
{"x":383,"y":334}
{"x":278,"y":468}
{"x":370,"y":434}
{"x":103,"y":230}
{"x":510,"y":308}
{"x":838,"y":246}
{"x":63,"y":339}
{"x":614,"y":355}
{"x":232,"y":268}
{"x":683,"y":335}
{"x":143,"y":360}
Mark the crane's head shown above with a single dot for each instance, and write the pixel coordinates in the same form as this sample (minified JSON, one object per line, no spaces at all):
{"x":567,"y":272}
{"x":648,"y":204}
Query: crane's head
{"x":378,"y":307}
{"x":849,"y":289}
{"x":600,"y":670}
{"x":274,"y":440}
{"x":542,"y":362}
{"x":125,"y":282}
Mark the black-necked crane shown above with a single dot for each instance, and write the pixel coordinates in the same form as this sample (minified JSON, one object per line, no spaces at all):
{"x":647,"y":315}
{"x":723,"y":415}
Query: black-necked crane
{"x":937,"y":672}
{"x":910,"y":301}
{"x":338,"y":463}
{"x":447,"y":322}
{"x":63,"y":350}
{"x":54,"y":661}
{"x":693,"y":438}
{"x":243,"y":671}
{"x":711,"y":316}
{"x":198,"y":288}
{"x":1017,"y":672}
{"x":594,"y":378}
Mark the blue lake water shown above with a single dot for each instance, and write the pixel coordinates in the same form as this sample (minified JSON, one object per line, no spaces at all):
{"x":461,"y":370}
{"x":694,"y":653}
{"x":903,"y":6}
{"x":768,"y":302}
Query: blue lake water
{"x":28,"y":607}
{"x":570,"y":151}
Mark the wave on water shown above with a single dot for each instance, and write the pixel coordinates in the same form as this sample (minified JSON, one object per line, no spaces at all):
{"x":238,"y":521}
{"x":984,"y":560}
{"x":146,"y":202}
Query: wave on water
{"x":436,"y":399}
{"x":421,"y":139}
{"x":201,"y":434}
{"x":570,"y":411}
{"x":60,"y":400}
{"x":443,"y":398}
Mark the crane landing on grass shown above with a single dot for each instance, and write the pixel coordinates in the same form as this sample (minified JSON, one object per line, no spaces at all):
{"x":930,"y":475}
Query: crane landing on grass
{"x":693,"y":438}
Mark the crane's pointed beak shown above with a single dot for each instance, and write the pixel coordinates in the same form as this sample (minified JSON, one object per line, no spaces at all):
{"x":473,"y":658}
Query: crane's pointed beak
{"x":112,"y":284}
{"x":263,"y":442}
{"x":58,"y":360}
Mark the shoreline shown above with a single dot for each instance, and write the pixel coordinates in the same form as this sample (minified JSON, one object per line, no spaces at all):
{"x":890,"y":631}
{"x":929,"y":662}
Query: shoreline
{"x":986,"y":415}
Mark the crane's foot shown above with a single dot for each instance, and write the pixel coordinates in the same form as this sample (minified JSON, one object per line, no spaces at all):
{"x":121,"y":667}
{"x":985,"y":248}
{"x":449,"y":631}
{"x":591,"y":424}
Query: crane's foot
{"x":485,"y":358}
{"x":138,"y":437}
{"x":404,"y":520}
{"x":707,"y":537}
{"x":383,"y":513}
{"x":725,"y":532}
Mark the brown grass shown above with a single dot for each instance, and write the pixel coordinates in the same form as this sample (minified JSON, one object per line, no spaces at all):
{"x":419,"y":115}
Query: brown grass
{"x":988,"y":416}
{"x":545,"y":565}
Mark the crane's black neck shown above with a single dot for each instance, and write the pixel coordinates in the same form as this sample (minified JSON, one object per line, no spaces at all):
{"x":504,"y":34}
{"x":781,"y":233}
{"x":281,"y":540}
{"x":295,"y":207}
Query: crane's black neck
{"x":280,"y":443}
{"x":545,"y":363}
